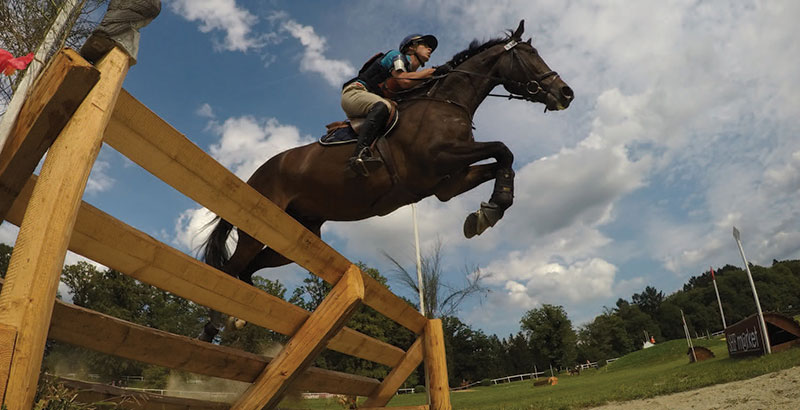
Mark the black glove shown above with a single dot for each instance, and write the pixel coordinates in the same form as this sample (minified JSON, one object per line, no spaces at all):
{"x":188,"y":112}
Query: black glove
{"x":442,"y":69}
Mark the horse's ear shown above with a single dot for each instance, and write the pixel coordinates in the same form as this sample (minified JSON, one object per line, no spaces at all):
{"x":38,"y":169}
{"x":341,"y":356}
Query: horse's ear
{"x":529,"y":40}
{"x":518,"y":33}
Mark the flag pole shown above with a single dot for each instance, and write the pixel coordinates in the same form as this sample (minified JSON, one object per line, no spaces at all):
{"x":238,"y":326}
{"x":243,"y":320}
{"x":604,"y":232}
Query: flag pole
{"x":755,"y":294}
{"x":719,"y":301}
{"x":688,"y":336}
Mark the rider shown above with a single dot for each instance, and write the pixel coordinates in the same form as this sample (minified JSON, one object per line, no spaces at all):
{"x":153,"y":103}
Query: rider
{"x":364,"y":96}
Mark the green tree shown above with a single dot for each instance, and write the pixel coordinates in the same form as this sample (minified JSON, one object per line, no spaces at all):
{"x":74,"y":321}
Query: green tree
{"x":551,"y":335}
{"x":5,"y":257}
{"x":603,"y":338}
{"x":252,"y":338}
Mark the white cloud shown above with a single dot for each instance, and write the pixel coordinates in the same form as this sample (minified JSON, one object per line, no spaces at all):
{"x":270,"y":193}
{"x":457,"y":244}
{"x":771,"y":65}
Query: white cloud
{"x":335,"y":72}
{"x":205,"y":111}
{"x":225,"y":15}
{"x":247,"y":142}
{"x":99,"y":180}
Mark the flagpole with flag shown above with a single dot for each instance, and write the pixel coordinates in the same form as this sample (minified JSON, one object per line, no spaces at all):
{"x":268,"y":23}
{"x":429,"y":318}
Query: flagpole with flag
{"x":719,"y":301}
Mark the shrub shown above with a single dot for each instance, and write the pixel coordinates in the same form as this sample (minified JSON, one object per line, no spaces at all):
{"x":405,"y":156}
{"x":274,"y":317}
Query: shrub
{"x":419,"y":389}
{"x":486,"y":382}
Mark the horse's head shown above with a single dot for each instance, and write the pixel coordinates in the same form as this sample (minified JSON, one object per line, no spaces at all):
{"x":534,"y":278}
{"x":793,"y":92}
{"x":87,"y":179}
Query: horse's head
{"x":523,"y":72}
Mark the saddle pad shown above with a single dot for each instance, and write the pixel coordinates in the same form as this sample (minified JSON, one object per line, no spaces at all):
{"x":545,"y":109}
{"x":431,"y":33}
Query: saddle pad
{"x":343,"y":135}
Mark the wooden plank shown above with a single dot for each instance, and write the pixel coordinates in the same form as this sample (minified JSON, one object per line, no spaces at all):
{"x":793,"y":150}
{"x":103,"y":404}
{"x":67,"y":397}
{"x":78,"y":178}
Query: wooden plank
{"x":131,"y":399}
{"x":436,"y":366}
{"x":413,"y":357}
{"x":331,"y":315}
{"x":148,"y":140}
{"x":421,"y":407}
{"x":106,"y":334}
{"x":8,"y":335}
{"x":26,"y":302}
{"x":106,"y":240}
{"x":62,"y":87}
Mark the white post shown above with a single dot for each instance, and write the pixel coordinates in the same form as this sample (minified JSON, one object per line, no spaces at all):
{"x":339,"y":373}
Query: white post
{"x":755,"y":294}
{"x":688,"y":336}
{"x":32,"y":71}
{"x":420,"y":285}
{"x":719,"y":301}
{"x":419,"y":261}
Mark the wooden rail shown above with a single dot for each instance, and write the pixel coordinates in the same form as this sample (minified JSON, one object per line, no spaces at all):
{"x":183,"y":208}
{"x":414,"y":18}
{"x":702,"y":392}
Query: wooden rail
{"x":106,"y":240}
{"x":146,"y":139}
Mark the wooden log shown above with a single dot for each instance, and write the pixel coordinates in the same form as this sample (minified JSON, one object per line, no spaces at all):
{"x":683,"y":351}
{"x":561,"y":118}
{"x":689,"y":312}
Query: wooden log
{"x":106,"y":240}
{"x":8,"y":335}
{"x":301,"y":350}
{"x":134,"y":400}
{"x":421,"y":407}
{"x":26,"y":302}
{"x":148,"y":140}
{"x":436,"y":366}
{"x":413,"y":357}
{"x":62,"y":87}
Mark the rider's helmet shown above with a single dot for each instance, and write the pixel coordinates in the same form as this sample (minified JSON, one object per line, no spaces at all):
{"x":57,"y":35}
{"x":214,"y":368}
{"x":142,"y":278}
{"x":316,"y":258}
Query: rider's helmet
{"x":412,"y":39}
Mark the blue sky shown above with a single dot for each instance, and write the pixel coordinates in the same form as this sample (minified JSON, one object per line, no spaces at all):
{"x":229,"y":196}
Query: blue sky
{"x":684,"y":125}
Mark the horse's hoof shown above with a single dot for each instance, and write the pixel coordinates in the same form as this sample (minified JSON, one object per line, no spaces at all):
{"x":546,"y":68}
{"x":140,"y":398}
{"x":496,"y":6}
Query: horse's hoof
{"x":208,"y":333}
{"x":239,"y":323}
{"x":471,"y":225}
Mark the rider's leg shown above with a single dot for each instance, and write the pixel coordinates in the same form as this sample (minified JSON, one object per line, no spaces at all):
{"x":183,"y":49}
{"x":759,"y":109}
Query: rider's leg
{"x":374,"y":122}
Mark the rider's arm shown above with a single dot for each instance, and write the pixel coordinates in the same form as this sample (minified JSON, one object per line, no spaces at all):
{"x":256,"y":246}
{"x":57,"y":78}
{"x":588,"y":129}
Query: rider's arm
{"x":407,"y":80}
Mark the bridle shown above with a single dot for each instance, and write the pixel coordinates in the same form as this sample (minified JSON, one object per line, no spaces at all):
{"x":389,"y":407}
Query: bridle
{"x":532,"y":87}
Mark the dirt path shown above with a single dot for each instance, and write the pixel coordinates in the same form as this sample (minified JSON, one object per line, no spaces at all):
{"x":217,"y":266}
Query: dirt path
{"x":779,"y":390}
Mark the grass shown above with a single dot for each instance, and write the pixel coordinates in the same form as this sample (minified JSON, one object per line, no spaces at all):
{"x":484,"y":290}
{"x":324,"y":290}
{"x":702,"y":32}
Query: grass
{"x":662,"y":369}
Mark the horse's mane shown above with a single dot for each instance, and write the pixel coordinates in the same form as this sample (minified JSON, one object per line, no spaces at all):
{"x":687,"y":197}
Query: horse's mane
{"x":474,"y":48}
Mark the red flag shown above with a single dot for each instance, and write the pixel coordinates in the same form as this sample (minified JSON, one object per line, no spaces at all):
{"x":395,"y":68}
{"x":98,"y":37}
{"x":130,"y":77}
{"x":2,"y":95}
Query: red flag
{"x":9,"y":64}
{"x":712,"y":274}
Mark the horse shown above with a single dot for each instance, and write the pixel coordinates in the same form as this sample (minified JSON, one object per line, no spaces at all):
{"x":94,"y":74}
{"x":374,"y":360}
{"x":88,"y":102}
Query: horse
{"x":431,"y":147}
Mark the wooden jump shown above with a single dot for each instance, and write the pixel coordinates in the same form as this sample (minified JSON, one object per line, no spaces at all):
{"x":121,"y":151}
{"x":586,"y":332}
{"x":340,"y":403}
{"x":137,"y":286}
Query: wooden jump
{"x":52,"y":219}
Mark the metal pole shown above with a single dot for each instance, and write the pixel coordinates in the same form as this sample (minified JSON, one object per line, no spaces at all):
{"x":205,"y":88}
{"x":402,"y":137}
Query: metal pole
{"x":719,"y":301}
{"x":419,"y":261}
{"x":419,"y":286}
{"x":755,"y":294}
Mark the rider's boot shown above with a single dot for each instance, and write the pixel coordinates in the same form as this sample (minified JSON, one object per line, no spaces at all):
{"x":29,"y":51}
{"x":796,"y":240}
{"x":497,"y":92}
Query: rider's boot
{"x":362,"y":160}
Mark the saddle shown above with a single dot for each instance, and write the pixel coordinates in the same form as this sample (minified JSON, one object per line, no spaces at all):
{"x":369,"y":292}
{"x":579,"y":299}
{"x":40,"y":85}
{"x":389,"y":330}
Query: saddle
{"x":346,"y":132}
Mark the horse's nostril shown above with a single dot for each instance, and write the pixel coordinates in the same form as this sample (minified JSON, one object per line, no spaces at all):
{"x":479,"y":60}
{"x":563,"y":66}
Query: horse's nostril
{"x":567,"y":93}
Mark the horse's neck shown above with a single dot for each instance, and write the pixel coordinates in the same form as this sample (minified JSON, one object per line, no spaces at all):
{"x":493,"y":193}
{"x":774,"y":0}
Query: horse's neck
{"x":469,"y":90}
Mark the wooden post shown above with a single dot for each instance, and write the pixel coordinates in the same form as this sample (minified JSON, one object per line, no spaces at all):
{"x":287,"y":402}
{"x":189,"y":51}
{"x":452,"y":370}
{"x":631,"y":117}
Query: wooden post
{"x":63,"y":86}
{"x":26,"y":302}
{"x":436,"y":365}
{"x":7,"y":337}
{"x":397,"y":376}
{"x":301,"y":350}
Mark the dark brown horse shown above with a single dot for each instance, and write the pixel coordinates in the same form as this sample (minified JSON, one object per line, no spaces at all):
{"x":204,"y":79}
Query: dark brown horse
{"x":432,"y":149}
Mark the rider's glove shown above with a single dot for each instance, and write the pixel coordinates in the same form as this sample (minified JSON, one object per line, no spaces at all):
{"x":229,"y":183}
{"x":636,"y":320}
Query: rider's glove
{"x":442,"y":69}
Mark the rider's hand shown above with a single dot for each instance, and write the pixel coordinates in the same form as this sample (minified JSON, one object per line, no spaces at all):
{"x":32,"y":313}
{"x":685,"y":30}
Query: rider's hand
{"x":442,"y":69}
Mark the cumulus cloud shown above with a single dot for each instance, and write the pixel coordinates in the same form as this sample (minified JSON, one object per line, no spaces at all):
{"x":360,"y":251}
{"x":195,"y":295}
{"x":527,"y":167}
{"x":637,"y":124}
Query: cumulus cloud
{"x":247,"y":142}
{"x":99,"y":180}
{"x":335,"y":72}
{"x":223,"y":15}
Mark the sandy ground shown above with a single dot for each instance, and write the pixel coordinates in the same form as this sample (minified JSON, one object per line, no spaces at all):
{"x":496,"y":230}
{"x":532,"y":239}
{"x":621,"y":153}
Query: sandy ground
{"x":779,"y":390}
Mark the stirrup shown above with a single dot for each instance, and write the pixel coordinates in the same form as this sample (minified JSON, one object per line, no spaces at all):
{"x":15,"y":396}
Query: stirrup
{"x":364,"y":162}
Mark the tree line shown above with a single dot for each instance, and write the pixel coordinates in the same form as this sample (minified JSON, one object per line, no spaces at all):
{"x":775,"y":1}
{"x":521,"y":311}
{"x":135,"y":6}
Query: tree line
{"x":546,"y":336}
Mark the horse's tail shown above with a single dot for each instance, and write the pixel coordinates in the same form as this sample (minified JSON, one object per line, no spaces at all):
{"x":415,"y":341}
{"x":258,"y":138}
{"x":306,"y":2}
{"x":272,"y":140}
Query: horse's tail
{"x":214,"y":250}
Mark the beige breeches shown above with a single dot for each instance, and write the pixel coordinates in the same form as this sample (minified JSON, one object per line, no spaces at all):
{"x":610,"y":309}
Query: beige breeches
{"x":356,"y":100}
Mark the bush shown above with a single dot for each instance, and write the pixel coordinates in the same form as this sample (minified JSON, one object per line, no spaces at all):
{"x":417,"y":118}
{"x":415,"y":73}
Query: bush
{"x":486,"y":382}
{"x":419,"y":389}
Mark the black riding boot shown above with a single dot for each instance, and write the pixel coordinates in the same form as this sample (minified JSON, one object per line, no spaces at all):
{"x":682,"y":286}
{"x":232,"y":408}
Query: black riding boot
{"x":362,"y":158}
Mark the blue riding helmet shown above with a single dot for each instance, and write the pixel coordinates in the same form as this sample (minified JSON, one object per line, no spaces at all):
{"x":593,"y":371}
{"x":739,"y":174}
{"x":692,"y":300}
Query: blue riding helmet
{"x":427,"y":39}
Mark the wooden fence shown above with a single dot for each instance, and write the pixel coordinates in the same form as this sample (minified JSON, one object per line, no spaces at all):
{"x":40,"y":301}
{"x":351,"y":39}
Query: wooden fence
{"x":84,"y":105}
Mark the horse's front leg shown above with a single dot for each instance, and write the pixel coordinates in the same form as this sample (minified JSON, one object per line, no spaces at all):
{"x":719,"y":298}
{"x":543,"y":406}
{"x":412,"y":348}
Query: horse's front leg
{"x":503,"y":193}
